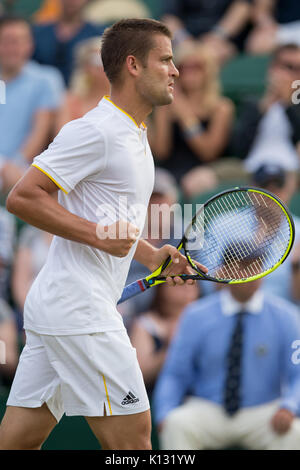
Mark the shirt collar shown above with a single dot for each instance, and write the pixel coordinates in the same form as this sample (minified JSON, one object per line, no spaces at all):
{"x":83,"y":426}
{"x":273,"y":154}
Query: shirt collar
{"x":230,"y":306}
{"x":129,"y":118}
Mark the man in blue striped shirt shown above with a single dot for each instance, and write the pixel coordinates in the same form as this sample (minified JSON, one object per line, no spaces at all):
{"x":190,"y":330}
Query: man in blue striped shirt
{"x":189,"y":399}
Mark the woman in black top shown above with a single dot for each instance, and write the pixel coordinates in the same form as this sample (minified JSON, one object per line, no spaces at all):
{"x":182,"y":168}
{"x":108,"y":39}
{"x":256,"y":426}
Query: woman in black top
{"x":194,"y":130}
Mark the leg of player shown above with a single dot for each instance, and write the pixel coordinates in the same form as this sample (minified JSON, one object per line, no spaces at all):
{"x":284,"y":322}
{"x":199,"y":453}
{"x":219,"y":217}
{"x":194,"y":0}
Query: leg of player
{"x":123,"y":432}
{"x":25,"y":428}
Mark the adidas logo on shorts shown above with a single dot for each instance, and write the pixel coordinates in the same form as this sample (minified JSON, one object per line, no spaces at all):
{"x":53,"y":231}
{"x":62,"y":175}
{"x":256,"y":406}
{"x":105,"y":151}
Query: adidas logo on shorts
{"x":130,"y":399}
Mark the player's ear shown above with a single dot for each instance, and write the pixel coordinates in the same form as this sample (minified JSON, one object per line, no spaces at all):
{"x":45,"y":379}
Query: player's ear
{"x":133,"y":65}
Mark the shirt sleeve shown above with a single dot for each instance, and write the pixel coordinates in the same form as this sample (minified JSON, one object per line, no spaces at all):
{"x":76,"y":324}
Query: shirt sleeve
{"x":77,"y":153}
{"x":290,"y":361}
{"x":44,"y":95}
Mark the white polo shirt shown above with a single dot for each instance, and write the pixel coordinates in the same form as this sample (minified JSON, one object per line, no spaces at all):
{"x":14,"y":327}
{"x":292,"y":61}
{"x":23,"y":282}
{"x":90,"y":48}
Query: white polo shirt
{"x":103,"y":165}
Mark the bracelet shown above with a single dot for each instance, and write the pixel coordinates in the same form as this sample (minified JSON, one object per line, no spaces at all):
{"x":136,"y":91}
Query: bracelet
{"x":192,"y":131}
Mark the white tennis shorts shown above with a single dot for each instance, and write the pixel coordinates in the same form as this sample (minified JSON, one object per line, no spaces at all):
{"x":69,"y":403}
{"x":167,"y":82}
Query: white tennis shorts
{"x":88,"y":375}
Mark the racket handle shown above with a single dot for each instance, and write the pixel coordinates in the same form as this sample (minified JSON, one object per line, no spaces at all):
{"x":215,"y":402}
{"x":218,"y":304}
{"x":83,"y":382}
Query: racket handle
{"x":133,"y":289}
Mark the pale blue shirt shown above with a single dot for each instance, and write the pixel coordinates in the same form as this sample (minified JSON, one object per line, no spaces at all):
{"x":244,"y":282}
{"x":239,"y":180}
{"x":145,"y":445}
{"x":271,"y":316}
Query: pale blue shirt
{"x":196,"y":361}
{"x":26,"y":94}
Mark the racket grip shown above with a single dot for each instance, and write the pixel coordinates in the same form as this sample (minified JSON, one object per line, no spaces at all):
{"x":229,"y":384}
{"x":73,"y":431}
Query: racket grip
{"x":132,"y":290}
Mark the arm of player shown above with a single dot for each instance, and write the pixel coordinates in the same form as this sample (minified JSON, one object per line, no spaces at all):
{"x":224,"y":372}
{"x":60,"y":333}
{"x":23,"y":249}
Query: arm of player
{"x":33,"y":199}
{"x":152,"y":258}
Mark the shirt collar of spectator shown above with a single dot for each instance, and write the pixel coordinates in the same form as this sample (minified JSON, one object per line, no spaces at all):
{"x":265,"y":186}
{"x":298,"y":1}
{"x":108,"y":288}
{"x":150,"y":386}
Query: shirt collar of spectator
{"x":231,"y":306}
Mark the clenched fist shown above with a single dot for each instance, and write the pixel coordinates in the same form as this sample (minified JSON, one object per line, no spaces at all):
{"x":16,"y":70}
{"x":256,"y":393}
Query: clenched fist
{"x":117,"y":238}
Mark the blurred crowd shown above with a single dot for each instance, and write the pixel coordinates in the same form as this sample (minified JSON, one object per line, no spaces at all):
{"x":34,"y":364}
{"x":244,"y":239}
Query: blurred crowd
{"x":221,"y":365}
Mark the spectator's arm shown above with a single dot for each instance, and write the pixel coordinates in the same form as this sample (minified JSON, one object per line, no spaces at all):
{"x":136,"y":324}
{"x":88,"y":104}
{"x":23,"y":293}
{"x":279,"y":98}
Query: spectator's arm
{"x":177,"y":373}
{"x":39,"y":135}
{"x":7,"y":237}
{"x":245,"y":130}
{"x":290,"y":334}
{"x":8,"y":334}
{"x":150,"y":360}
{"x":295,"y":284}
{"x":22,"y":276}
{"x":210,"y":143}
{"x":235,"y":18}
{"x":262,"y":11}
{"x":63,"y":114}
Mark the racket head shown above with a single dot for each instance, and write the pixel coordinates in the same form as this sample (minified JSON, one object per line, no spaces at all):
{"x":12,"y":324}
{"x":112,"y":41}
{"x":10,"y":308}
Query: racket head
{"x":240,"y":235}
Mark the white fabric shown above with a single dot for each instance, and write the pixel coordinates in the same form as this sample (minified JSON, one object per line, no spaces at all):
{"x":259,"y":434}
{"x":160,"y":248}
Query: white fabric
{"x":273,"y":143}
{"x":84,"y":375}
{"x":201,"y":424}
{"x":101,"y":160}
{"x":288,"y":33}
{"x":230,"y":306}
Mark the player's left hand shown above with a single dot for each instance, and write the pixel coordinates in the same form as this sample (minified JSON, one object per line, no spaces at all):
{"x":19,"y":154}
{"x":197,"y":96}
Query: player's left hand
{"x":282,"y":421}
{"x":179,"y":265}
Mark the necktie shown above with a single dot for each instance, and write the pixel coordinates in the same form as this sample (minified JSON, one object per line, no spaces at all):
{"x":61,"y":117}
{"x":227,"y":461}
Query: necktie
{"x":232,"y":391}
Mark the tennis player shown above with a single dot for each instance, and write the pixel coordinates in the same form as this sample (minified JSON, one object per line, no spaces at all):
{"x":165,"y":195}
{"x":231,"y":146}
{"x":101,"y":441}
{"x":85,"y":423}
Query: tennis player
{"x":78,"y":358}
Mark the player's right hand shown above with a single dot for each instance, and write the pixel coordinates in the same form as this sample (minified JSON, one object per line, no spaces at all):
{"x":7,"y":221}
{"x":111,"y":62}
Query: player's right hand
{"x":117,"y":238}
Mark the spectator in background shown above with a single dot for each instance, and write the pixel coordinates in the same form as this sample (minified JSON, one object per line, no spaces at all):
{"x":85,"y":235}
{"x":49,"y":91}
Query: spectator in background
{"x":30,"y":257}
{"x":55,"y":42}
{"x":152,"y":331}
{"x":222,"y":24}
{"x":110,"y":11}
{"x":194,"y":130}
{"x":268,"y":130}
{"x":7,"y":246}
{"x":25,"y":119}
{"x":277,"y":22}
{"x":8,"y":329}
{"x":88,"y":84}
{"x":9,"y":353}
{"x":285,"y":280}
{"x":229,"y":378}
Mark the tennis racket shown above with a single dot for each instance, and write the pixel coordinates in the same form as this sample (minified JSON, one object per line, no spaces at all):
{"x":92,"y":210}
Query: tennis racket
{"x":240,"y":235}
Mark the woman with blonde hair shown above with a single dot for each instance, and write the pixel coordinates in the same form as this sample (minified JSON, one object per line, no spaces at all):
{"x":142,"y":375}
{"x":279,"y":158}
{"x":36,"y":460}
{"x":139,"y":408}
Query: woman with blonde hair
{"x":88,"y":83}
{"x":194,"y":130}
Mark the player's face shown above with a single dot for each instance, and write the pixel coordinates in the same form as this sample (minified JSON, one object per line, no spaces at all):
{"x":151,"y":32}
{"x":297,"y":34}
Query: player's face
{"x":156,"y":80}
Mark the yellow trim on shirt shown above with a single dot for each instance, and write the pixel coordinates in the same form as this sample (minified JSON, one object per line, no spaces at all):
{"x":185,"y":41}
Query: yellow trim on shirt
{"x":108,"y":401}
{"x":108,"y":99}
{"x":49,"y":176}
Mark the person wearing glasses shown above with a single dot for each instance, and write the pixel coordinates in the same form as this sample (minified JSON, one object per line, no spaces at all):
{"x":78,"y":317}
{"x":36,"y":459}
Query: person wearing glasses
{"x":268,"y":130}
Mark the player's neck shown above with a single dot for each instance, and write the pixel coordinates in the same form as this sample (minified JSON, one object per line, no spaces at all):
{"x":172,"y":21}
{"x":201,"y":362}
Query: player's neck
{"x":130,"y":103}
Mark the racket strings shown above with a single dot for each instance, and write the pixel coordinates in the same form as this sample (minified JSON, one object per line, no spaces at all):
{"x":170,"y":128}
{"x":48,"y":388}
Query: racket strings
{"x":239,"y":235}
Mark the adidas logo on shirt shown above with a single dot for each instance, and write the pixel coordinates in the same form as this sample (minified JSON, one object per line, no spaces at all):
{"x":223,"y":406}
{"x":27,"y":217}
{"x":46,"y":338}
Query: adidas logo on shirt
{"x":130,"y":399}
